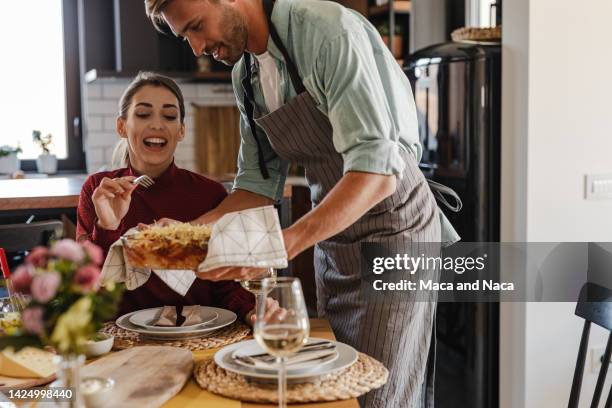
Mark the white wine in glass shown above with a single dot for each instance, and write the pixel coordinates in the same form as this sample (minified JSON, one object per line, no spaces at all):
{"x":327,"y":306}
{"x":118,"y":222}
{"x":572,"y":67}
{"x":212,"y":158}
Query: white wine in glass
{"x":254,"y":285}
{"x":282,"y":340}
{"x":282,"y":329}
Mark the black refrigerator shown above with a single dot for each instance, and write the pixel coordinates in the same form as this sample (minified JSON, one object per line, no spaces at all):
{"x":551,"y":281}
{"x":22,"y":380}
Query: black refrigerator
{"x":457,"y":89}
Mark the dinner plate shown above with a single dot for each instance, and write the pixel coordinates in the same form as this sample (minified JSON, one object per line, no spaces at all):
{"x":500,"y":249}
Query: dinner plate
{"x":225,"y":318}
{"x":144,"y":317}
{"x":255,"y":348}
{"x":223,"y":358}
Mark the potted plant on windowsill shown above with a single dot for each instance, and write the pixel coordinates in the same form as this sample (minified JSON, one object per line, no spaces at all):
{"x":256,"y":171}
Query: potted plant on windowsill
{"x":46,"y":162}
{"x":9,"y":162}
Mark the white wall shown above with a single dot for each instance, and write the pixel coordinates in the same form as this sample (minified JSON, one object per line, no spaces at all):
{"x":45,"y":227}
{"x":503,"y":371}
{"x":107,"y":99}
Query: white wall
{"x":101,"y":103}
{"x":556,"y":128}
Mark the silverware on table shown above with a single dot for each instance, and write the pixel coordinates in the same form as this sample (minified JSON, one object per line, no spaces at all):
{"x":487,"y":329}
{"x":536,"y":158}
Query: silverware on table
{"x":267,"y":358}
{"x":304,"y":347}
{"x":271,"y":359}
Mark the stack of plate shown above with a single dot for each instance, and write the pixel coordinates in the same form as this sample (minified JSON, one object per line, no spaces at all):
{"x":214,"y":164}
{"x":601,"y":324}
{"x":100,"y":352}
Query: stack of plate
{"x":328,"y":357}
{"x":141,"y":321}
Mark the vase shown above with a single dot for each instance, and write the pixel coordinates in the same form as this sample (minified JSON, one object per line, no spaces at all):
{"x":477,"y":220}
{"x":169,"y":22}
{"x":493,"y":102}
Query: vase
{"x":69,"y":376}
{"x":9,"y":164}
{"x":47,"y":163}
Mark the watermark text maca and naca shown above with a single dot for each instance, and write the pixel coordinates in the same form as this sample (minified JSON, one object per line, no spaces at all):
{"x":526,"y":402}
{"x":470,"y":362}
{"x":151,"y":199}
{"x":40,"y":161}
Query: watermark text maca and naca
{"x":486,"y":272}
{"x":448,"y":264}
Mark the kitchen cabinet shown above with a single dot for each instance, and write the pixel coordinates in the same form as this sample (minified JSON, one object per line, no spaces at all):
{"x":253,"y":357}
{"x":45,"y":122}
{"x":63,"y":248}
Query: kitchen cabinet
{"x":116,"y":39}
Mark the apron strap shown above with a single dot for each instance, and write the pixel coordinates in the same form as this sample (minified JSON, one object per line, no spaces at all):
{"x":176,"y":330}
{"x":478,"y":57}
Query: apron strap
{"x":249,"y":98}
{"x":249,"y":105}
{"x":440,"y":191}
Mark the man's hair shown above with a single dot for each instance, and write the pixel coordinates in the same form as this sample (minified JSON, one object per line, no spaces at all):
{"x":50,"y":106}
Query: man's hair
{"x":154,"y":9}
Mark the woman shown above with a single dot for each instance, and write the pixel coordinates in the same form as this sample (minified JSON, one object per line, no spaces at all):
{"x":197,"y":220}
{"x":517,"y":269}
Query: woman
{"x":151,"y":124}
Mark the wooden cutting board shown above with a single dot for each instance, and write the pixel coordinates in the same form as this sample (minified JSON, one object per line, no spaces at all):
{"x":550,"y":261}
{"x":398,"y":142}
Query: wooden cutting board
{"x":144,"y":376}
{"x":12,"y":382}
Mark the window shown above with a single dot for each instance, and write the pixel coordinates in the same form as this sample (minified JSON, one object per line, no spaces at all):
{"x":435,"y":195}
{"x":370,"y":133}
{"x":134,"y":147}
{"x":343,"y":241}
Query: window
{"x":40,"y":90}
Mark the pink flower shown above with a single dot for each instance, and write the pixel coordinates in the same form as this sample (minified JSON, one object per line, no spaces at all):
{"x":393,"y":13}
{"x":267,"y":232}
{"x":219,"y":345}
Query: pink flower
{"x":32,"y":320}
{"x":38,"y":256}
{"x":94,"y":252}
{"x":44,"y":286}
{"x":68,"y":249}
{"x":87,"y":278}
{"x":22,"y":278}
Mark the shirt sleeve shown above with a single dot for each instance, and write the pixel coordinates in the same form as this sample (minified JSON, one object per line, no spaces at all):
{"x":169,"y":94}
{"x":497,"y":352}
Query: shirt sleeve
{"x":249,"y":176}
{"x":363,"y":127}
{"x":87,"y":228}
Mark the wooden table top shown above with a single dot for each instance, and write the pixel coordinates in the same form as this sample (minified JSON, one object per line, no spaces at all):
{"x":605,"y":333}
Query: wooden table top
{"x":39,"y":193}
{"x":192,"y":396}
{"x":52,"y":192}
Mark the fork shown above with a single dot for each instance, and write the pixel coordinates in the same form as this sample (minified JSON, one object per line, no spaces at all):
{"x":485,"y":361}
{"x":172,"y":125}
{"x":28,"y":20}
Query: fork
{"x":251,"y":361}
{"x":317,"y":345}
{"x":267,"y":358}
{"x":144,"y":181}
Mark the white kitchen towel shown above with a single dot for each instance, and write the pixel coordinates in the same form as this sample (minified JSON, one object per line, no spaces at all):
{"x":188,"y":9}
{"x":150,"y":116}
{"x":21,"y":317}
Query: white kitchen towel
{"x":251,"y":238}
{"x":117,"y":268}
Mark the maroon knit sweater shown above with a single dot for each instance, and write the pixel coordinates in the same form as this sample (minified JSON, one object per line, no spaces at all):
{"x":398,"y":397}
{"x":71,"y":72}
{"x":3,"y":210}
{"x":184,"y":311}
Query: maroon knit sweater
{"x":178,"y":194}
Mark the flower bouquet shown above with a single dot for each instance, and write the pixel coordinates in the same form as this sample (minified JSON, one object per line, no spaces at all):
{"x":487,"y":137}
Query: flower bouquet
{"x":67,"y":305}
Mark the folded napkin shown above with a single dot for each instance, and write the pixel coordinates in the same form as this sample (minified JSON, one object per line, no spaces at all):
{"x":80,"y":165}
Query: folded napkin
{"x":250,"y":238}
{"x":175,"y":316}
{"x":117,"y":269}
{"x":294,"y":360}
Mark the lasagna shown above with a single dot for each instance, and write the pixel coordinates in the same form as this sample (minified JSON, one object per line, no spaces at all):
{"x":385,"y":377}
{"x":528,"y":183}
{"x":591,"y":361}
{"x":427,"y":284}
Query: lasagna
{"x":176,"y":246}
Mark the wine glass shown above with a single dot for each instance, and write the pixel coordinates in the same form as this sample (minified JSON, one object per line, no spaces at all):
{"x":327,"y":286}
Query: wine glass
{"x":254,"y":285}
{"x":284,"y":330}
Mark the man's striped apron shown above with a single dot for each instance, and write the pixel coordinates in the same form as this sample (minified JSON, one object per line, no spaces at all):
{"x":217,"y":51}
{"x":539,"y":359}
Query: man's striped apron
{"x":397,"y":333}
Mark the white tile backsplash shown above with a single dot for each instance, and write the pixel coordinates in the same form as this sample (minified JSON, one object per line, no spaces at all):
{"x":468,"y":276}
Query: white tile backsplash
{"x":95,"y":123}
{"x":94,"y":91}
{"x":102,"y":101}
{"x":102,"y":106}
{"x":101,"y":139}
{"x":110,"y":123}
{"x":184,"y":153}
{"x":113,"y":91}
{"x":189,"y":122}
{"x":94,"y":167}
{"x":188,"y":140}
{"x":96,"y":154}
{"x":189,"y":91}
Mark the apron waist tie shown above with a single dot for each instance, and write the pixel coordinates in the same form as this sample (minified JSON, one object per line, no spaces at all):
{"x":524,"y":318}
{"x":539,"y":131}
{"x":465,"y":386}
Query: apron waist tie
{"x":440,"y":191}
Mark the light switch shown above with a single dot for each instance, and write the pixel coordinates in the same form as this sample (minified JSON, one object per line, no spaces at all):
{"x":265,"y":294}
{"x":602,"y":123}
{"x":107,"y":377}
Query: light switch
{"x":598,"y":186}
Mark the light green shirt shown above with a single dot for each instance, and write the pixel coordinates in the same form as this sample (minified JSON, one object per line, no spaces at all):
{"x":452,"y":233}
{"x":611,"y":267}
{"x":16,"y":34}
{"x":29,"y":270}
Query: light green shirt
{"x":355,"y":81}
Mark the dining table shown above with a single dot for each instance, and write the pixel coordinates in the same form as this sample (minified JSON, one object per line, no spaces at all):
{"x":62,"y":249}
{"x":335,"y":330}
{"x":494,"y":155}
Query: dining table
{"x":58,"y":192}
{"x":41,"y":193}
{"x":192,"y":396}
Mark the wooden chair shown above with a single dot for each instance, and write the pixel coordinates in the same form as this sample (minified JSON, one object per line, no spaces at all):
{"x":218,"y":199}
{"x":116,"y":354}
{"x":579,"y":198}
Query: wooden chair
{"x":16,"y":239}
{"x":594,"y":306}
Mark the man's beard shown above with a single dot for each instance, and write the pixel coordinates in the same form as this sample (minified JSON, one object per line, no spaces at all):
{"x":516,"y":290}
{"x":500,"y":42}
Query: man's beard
{"x":236,"y":39}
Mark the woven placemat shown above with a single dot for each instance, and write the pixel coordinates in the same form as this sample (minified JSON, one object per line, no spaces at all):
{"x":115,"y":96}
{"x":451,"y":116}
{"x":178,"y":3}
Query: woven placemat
{"x":228,"y":335}
{"x":365,"y":375}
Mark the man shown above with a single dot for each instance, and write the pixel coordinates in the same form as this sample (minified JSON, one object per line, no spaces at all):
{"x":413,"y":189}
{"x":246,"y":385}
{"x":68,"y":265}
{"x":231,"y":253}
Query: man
{"x":316,"y":85}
